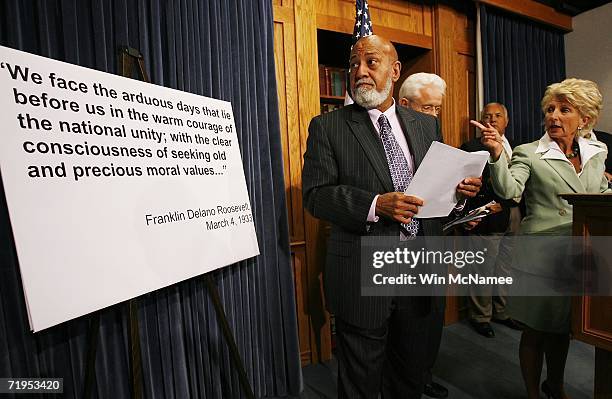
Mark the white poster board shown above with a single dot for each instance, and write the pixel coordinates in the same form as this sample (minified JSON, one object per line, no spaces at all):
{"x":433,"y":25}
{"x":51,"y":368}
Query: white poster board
{"x":115,"y":187}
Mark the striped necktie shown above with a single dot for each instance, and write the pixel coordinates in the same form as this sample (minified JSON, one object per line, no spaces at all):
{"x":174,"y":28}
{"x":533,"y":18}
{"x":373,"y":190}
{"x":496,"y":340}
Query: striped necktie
{"x":401,"y":175}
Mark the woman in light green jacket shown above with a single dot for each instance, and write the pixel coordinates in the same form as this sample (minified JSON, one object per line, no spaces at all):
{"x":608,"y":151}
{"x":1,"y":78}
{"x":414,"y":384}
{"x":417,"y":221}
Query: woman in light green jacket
{"x":564,"y":160}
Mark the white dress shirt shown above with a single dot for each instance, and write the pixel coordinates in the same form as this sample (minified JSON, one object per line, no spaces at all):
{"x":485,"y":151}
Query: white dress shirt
{"x":551,"y":150}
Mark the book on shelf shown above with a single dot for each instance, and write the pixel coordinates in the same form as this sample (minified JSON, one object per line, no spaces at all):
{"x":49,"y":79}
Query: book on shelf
{"x":322,"y":80}
{"x":332,"y":81}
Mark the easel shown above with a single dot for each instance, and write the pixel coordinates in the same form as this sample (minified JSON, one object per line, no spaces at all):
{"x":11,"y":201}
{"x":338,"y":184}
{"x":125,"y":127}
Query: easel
{"x":127,"y":58}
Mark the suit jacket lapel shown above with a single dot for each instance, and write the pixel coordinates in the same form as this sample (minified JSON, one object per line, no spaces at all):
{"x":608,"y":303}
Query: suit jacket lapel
{"x":414,"y":137}
{"x":361,"y":126}
{"x":564,"y":170}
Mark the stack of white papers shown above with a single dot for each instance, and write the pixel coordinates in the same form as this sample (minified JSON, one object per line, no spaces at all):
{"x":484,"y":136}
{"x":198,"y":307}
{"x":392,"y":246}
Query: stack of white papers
{"x":436,"y":179}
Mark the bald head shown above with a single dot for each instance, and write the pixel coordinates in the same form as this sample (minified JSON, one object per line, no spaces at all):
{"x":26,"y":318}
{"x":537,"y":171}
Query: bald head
{"x":378,"y":42}
{"x":497,"y":115}
{"x":374,"y":71}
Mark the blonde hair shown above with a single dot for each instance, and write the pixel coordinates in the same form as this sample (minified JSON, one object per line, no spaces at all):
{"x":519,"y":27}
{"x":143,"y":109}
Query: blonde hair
{"x":584,"y":95}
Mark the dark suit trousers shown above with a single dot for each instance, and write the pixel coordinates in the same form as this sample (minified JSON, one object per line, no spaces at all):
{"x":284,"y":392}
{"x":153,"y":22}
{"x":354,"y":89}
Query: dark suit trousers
{"x":433,"y":340}
{"x":390,"y":359}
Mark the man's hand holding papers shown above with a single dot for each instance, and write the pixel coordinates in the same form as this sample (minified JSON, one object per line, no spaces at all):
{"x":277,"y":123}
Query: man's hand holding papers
{"x":398,"y":206}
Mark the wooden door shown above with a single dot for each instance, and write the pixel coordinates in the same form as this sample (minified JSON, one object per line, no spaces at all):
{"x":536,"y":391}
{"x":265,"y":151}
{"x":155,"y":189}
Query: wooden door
{"x":295,"y":55}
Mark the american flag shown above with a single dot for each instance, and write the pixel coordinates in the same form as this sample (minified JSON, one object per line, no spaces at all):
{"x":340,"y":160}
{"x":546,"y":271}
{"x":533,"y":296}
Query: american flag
{"x":363,"y":27}
{"x":363,"y":23}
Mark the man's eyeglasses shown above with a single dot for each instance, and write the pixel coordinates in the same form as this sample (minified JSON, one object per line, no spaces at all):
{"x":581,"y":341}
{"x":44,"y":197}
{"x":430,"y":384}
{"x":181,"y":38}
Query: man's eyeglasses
{"x":431,"y":108}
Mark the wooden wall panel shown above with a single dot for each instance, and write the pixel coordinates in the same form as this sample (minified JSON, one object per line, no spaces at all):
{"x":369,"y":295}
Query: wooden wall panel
{"x":286,"y":77}
{"x":283,"y":15}
{"x":445,"y":57}
{"x":600,"y":320}
{"x":294,"y":47}
{"x":465,"y":29}
{"x":454,"y":60}
{"x":399,"y":21}
{"x":463,"y":85}
{"x":595,"y":325}
{"x":300,"y":270}
{"x":401,"y":15}
{"x":282,"y":3}
{"x":467,"y":131}
{"x":308,"y":99}
{"x":591,"y":315}
{"x":423,"y":63}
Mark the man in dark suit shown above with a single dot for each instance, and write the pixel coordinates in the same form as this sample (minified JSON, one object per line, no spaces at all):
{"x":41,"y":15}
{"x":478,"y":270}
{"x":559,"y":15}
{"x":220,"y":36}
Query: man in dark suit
{"x":486,"y":304}
{"x":356,"y":167}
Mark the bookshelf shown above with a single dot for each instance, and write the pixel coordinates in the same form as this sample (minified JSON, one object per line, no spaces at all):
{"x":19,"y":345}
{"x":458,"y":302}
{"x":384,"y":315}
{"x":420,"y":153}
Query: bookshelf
{"x":333,"y":52}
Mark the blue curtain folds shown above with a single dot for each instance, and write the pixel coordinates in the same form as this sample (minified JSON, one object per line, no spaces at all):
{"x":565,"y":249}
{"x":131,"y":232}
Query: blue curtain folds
{"x":520,"y":58}
{"x":216,"y":48}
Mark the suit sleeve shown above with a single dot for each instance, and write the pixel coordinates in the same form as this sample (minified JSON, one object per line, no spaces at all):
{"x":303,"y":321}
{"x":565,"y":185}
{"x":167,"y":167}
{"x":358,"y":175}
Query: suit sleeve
{"x":509,"y":181}
{"x":323,"y":194}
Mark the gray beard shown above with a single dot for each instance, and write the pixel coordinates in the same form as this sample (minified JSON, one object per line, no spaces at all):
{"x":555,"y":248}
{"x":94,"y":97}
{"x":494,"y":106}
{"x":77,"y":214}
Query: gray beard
{"x":371,"y":98}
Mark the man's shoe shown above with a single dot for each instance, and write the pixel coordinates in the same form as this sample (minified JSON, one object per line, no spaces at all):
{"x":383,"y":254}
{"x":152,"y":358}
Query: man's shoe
{"x":510,"y":323}
{"x":435,"y":390}
{"x":483,"y":328}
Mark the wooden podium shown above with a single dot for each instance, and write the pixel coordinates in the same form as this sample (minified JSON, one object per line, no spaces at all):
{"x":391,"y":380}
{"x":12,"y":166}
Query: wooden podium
{"x":592,"y":316}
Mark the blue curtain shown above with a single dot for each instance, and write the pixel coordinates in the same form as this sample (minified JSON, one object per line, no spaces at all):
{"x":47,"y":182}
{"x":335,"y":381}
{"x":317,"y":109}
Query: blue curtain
{"x":217,"y":48}
{"x":520,"y":58}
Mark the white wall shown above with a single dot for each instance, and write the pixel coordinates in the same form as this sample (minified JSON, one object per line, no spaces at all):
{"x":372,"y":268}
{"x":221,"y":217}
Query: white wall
{"x":588,"y":55}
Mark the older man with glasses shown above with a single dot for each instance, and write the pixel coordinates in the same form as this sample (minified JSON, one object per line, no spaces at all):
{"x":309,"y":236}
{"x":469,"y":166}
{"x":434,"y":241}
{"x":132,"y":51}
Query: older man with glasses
{"x":423,"y":92}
